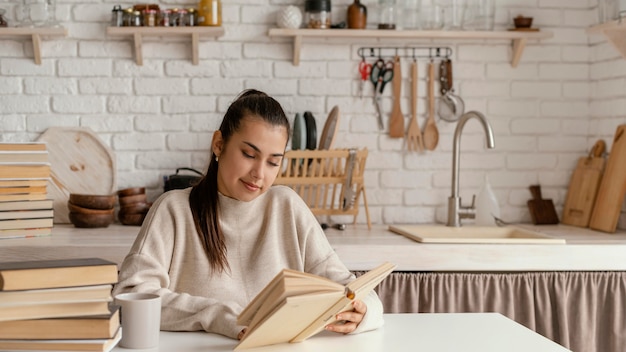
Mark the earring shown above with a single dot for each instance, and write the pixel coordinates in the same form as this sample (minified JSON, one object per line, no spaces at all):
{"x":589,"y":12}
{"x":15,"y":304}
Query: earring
{"x":217,"y":158}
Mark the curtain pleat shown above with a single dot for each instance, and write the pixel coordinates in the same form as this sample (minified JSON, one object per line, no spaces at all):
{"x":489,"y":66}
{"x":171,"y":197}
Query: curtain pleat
{"x":583,"y":311}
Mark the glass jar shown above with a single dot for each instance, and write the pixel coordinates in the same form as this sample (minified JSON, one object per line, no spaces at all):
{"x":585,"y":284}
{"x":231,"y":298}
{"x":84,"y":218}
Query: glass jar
{"x":192,"y":17}
{"x":387,"y":14}
{"x":210,"y":13}
{"x":3,"y":21}
{"x":117,"y":16}
{"x":165,"y":18}
{"x":149,"y":18}
{"x":317,"y":14}
{"x":183,"y":18}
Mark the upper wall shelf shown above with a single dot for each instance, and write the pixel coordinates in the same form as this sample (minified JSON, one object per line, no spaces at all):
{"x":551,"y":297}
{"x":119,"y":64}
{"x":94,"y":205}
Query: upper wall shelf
{"x":139,"y":32}
{"x":35,"y":33}
{"x":615,"y":32}
{"x":518,"y":38}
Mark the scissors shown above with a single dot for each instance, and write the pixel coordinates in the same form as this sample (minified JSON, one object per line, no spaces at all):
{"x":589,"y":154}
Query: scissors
{"x":365,"y":69}
{"x":382,"y":73}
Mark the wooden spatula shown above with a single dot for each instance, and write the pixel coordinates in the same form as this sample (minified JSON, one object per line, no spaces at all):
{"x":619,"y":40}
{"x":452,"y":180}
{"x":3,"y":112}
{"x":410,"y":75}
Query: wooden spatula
{"x":414,"y":139}
{"x":542,"y":211}
{"x":431,"y":133}
{"x":396,"y":120}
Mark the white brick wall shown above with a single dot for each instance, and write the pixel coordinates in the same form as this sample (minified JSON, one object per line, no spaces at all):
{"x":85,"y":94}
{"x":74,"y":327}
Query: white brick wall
{"x":566,"y":92}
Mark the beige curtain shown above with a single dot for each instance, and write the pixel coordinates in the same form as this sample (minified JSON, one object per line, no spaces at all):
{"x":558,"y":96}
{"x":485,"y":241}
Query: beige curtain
{"x":583,"y":311}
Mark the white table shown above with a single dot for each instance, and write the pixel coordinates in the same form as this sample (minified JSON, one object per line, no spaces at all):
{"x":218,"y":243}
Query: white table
{"x":466,"y":332}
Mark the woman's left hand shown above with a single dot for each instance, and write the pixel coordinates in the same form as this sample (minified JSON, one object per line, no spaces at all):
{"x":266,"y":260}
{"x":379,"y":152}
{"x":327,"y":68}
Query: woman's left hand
{"x":349,"y":320}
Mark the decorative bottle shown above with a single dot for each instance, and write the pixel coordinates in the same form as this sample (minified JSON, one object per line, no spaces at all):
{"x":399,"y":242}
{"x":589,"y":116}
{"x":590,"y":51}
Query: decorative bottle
{"x":210,"y":13}
{"x":357,"y":15}
{"x":487,"y":207}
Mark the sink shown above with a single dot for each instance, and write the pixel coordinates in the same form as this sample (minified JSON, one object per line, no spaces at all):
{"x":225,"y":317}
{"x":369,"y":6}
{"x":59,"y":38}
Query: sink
{"x":473,"y":234}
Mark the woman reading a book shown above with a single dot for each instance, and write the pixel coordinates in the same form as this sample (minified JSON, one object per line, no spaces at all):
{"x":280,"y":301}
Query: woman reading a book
{"x":209,"y":249}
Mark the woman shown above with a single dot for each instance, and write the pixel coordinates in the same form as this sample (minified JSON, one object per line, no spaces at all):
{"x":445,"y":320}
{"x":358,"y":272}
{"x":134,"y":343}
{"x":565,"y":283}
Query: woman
{"x":208,"y":250}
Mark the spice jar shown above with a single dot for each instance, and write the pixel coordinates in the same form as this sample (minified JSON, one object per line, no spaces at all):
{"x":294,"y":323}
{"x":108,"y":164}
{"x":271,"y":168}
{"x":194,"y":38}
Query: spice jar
{"x":192,"y":17}
{"x":128,"y":17}
{"x":149,"y":18}
{"x":387,"y":18}
{"x":317,"y":14}
{"x":165,"y":18}
{"x":117,"y":16}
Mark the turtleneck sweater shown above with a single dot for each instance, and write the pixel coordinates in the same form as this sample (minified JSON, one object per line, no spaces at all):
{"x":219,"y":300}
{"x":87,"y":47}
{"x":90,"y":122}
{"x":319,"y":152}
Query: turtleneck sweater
{"x":272,"y":232}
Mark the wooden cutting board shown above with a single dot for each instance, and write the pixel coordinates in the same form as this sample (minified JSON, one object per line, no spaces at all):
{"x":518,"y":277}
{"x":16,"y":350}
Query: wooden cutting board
{"x":608,"y":205}
{"x":80,"y":162}
{"x":329,"y":131}
{"x":542,"y":211}
{"x":583,"y":187}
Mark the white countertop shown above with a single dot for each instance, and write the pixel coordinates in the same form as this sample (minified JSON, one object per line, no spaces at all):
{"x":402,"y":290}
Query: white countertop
{"x":363,"y":249}
{"x":449,"y":332}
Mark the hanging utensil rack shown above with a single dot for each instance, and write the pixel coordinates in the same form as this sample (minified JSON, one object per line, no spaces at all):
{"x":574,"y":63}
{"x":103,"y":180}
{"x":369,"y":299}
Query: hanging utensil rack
{"x":417,"y":52}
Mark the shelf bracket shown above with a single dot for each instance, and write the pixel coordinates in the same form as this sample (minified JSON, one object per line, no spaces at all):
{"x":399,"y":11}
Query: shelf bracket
{"x":195,"y":39}
{"x":138,"y":53}
{"x":518,"y":49}
{"x":36,"y":39}
{"x":297,"y":43}
{"x":616,"y":37}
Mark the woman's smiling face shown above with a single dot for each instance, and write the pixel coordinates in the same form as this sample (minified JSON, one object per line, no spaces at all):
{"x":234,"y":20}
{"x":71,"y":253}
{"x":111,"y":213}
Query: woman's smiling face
{"x":250,"y":161}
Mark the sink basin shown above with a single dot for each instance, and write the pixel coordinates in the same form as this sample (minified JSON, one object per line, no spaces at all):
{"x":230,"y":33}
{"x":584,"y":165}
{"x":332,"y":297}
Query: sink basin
{"x":473,"y":234}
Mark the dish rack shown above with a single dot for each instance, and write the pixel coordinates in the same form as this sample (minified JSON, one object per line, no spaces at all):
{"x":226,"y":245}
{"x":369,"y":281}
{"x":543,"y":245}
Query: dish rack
{"x":329,"y":181}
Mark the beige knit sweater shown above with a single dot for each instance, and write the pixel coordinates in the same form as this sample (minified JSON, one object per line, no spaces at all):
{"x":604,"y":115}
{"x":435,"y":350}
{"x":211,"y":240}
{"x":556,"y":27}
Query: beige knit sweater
{"x":272,"y":232}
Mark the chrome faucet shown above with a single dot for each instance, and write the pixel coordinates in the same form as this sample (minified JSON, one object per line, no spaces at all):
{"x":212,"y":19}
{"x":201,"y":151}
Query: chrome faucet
{"x":456,"y":211}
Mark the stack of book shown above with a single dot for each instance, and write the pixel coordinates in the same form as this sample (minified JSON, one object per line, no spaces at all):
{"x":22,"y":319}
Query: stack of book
{"x":25,"y":208}
{"x":58,"y":305}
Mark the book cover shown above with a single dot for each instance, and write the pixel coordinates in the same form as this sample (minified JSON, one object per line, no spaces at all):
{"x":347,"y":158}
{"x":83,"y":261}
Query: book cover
{"x":54,"y":310}
{"x":37,"y":274}
{"x":83,"y":327}
{"x":30,"y":146}
{"x":24,"y":233}
{"x":26,"y":214}
{"x":24,"y":170}
{"x":103,"y":345}
{"x":26,"y":204}
{"x":56,"y":295}
{"x":25,"y":223}
{"x":307,"y":302}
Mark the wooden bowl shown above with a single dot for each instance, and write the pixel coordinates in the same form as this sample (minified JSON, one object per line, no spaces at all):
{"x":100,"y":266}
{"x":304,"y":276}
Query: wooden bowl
{"x":523,"y":22}
{"x":135,"y":208}
{"x":93,"y":201}
{"x":131,"y":191}
{"x":91,"y":220}
{"x":131,"y":219}
{"x":137,"y":198}
{"x":77,"y":209}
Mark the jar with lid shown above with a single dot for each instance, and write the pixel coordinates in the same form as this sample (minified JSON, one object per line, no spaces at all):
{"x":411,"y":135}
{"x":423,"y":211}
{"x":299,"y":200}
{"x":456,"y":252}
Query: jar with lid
{"x":128,"y":17}
{"x":317,"y":14}
{"x":117,"y":16}
{"x":3,"y":21}
{"x":165,"y":17}
{"x":387,"y":14}
{"x":357,"y":15}
{"x":210,"y":13}
{"x":182,"y":18}
{"x":149,"y":18}
{"x":136,"y":19}
{"x":192,"y":17}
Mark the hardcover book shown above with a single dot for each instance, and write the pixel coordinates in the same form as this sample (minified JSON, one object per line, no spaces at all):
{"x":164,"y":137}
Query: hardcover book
{"x":295,"y":305}
{"x":103,"y":345}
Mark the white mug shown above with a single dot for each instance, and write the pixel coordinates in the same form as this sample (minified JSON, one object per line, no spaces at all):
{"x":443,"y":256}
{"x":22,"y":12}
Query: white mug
{"x":141,"y":319}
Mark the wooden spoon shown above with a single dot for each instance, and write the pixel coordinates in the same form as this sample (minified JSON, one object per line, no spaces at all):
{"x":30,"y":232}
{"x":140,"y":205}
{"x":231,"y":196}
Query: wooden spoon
{"x":396,"y":120}
{"x":431,"y":133}
{"x":414,"y":138}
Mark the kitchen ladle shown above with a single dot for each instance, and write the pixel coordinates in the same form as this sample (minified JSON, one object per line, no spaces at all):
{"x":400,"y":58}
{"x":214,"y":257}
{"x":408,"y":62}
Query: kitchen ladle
{"x":431,"y":133}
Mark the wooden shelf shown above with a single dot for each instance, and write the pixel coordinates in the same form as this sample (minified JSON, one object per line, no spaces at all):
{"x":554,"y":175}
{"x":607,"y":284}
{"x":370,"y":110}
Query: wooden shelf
{"x":35,"y":33}
{"x":518,"y":38}
{"x":139,"y":32}
{"x":615,"y":32}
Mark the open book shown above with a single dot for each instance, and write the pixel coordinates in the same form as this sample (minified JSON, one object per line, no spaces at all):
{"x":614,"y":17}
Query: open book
{"x":295,"y":305}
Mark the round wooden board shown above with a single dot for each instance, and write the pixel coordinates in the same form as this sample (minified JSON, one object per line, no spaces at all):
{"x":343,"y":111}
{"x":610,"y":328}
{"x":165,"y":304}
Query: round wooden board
{"x":80,"y":162}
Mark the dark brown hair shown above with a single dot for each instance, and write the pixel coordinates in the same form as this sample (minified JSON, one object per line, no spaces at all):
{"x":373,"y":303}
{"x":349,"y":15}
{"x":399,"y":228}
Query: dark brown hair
{"x":203,"y":199}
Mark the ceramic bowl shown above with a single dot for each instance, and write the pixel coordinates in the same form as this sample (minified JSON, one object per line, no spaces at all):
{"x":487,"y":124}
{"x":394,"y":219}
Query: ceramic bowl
{"x":93,"y":201}
{"x":91,"y":220}
{"x":523,"y":22}
{"x":78,"y":209}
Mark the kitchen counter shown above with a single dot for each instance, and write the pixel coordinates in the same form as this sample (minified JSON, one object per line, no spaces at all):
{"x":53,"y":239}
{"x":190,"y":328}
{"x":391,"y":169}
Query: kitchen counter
{"x":363,"y":249}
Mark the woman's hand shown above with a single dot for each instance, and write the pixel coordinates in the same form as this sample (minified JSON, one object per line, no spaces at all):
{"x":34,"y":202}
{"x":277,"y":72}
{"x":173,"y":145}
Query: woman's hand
{"x":242,"y":333}
{"x":348,"y":321}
